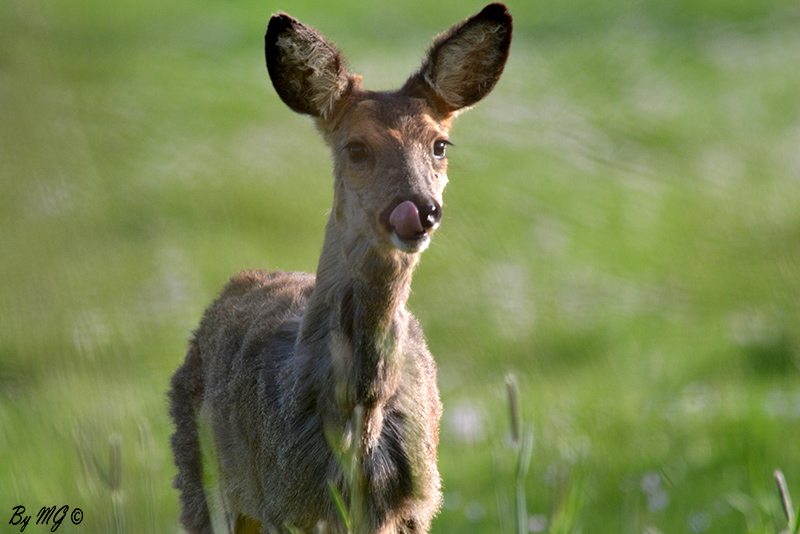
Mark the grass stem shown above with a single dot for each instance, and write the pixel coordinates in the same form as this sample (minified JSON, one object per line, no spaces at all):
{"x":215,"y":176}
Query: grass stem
{"x":786,"y":501}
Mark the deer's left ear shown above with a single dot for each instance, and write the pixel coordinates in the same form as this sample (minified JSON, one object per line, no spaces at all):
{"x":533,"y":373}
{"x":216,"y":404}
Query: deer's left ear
{"x":465,"y":62}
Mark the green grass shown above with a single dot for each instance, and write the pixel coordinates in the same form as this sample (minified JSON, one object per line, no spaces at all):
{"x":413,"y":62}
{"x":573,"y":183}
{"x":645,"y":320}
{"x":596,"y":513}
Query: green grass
{"x":622,"y":232}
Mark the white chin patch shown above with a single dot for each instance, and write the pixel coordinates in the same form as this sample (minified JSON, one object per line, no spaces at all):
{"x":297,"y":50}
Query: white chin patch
{"x":411,"y":246}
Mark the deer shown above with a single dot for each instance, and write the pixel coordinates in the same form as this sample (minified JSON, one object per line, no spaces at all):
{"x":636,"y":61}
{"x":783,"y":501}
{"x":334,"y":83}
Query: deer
{"x":289,"y":371}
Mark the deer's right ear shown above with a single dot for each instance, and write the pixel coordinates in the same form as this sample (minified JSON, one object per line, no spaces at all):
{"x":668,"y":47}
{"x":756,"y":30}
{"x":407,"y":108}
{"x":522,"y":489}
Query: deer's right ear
{"x":308,"y":72}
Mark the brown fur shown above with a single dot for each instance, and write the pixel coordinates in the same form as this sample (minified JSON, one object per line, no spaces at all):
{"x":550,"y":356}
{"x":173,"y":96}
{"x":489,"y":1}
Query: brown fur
{"x":281,"y":361}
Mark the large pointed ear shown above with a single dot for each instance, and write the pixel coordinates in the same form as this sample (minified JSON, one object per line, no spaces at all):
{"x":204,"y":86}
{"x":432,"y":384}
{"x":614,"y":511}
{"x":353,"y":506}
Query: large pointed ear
{"x":465,"y":62}
{"x":307,"y":71}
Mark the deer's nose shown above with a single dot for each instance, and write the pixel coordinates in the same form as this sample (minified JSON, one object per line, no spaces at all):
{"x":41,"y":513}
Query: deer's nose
{"x":430,"y":215}
{"x":411,"y":222}
{"x":412,"y":219}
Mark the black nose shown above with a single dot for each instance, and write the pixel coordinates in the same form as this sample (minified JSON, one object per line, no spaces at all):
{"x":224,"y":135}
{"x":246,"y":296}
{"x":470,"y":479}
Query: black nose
{"x":430,"y":215}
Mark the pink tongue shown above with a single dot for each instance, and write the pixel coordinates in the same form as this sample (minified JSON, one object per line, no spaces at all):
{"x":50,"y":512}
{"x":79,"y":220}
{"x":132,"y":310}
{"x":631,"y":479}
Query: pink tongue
{"x":405,"y":220}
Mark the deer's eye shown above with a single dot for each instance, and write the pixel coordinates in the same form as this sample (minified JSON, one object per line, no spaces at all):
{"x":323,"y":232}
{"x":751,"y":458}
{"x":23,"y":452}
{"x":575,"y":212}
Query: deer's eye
{"x":357,"y":151}
{"x":439,"y":148}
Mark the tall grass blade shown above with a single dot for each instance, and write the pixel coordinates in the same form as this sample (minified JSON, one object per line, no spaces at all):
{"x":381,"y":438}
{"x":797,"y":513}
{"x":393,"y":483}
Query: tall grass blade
{"x":341,"y":507}
{"x":513,"y":403}
{"x":115,"y":482}
{"x":524,"y":452}
{"x":356,"y":475}
{"x":523,"y":444}
{"x":786,"y":501}
{"x":566,"y":518}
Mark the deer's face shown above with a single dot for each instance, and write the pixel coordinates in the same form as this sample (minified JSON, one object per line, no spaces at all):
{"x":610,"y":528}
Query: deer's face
{"x":390,"y":169}
{"x":388,"y":148}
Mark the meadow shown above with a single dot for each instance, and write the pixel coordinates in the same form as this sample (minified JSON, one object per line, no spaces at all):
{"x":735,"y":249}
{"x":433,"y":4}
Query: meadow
{"x":621,"y":233}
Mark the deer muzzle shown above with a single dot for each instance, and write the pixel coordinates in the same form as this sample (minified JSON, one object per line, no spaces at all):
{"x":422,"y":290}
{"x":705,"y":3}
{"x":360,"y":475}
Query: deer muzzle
{"x":412,"y":224}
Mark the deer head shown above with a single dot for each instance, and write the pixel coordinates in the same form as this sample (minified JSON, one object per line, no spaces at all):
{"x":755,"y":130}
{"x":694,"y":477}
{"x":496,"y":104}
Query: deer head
{"x":389,"y":148}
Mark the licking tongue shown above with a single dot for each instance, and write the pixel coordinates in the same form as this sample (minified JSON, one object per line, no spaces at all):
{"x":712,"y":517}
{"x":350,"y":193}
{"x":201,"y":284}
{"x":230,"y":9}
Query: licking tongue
{"x":405,"y":221}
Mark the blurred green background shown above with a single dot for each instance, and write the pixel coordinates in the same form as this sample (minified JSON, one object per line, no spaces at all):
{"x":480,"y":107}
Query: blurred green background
{"x":621,"y":232}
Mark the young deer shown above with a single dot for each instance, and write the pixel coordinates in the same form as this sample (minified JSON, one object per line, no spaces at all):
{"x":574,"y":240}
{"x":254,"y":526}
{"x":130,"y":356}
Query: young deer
{"x":283,"y":364}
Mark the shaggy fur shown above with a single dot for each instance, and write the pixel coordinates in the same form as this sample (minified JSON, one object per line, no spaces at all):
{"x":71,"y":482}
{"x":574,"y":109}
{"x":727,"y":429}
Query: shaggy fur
{"x":282,"y":362}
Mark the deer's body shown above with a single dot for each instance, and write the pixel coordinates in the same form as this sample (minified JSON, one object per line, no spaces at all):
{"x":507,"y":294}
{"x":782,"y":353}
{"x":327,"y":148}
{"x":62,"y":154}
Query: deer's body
{"x":282,"y":362}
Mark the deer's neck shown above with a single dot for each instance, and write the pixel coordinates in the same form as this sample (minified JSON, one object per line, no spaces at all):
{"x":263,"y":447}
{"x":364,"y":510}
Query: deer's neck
{"x":357,"y":317}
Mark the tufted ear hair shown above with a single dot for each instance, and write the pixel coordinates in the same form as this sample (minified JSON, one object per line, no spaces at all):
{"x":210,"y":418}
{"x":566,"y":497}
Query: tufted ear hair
{"x":464,"y":63}
{"x":307,"y":71}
